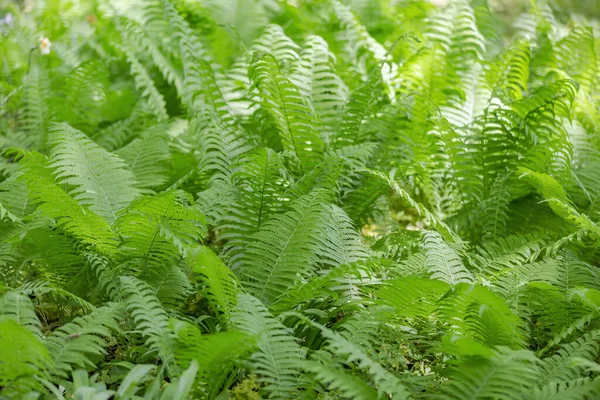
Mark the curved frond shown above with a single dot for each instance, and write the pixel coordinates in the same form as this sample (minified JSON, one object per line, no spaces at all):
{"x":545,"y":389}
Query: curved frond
{"x":99,"y":179}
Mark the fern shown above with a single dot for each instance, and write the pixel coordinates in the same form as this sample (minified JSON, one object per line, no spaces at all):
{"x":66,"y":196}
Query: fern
{"x":53,"y":202}
{"x":99,"y":178}
{"x":335,"y":378}
{"x":148,"y":158}
{"x":504,"y":375}
{"x":145,"y":84}
{"x":220,"y":284}
{"x":17,"y":307}
{"x":443,"y":262}
{"x":150,"y":318}
{"x":71,"y":345}
{"x":157,"y":230}
{"x":213,"y":352}
{"x":284,"y":247}
{"x":293,"y":117}
{"x":315,"y":77}
{"x":23,"y":357}
{"x":278,"y":358}
{"x":299,"y":199}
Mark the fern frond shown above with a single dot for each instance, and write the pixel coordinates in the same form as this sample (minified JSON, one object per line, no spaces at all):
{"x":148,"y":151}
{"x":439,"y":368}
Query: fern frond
{"x":216,"y":354}
{"x":412,"y":296}
{"x":506,"y":375}
{"x":23,"y":356}
{"x":314,"y":75}
{"x":221,"y":144}
{"x":349,"y":352}
{"x":146,"y":86}
{"x":18,"y":307}
{"x":295,"y":120}
{"x":455,"y":29}
{"x":36,"y":111}
{"x":343,"y":244}
{"x":330,"y":283}
{"x":274,"y":41}
{"x":443,"y":262}
{"x":53,"y":202}
{"x":572,"y":390}
{"x":444,"y":230}
{"x":220,"y":285}
{"x":356,"y":109}
{"x":337,"y":379}
{"x":564,"y":365}
{"x":171,"y":284}
{"x":99,"y":179}
{"x":284,"y":248}
{"x":278,"y":360}
{"x":147,"y":157}
{"x":510,"y":74}
{"x":71,"y":345}
{"x":133,"y":34}
{"x":82,"y":95}
{"x":160,"y":229}
{"x":151,"y":319}
{"x":360,"y":46}
{"x":474,"y":312}
{"x":557,"y":199}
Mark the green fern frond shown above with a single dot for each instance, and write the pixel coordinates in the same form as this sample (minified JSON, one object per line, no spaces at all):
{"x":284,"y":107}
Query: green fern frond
{"x":216,"y":354}
{"x":572,"y":50}
{"x":314,"y":75}
{"x":148,"y":158}
{"x":171,"y":283}
{"x":343,"y":244}
{"x":99,"y":179}
{"x":146,"y":86}
{"x":151,"y":319}
{"x":159,"y":229}
{"x":349,"y":352}
{"x":71,"y":345}
{"x":338,"y":380}
{"x":221,"y":286}
{"x":557,"y":199}
{"x":18,"y":307}
{"x":360,"y":47}
{"x":23,"y":357}
{"x":506,"y":375}
{"x":510,"y":74}
{"x":412,"y":296}
{"x":274,"y":41}
{"x":285,"y":248}
{"x":259,"y":178}
{"x":564,"y":366}
{"x":474,"y":312}
{"x":222,"y":145}
{"x":355,"y":111}
{"x":328,"y":284}
{"x":53,"y":202}
{"x":442,"y":228}
{"x":573,"y":390}
{"x":51,"y":293}
{"x":443,"y":262}
{"x":136,"y":38}
{"x":36,"y":112}
{"x":295,"y":120}
{"x":82,"y":95}
{"x":456,"y":30}
{"x":278,"y":360}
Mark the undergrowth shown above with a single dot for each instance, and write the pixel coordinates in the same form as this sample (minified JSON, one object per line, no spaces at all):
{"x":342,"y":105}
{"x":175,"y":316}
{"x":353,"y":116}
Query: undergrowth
{"x":313,"y":199}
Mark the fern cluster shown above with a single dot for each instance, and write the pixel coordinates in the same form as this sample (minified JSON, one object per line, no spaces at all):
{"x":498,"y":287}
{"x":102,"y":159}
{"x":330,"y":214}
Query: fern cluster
{"x":319,"y":199}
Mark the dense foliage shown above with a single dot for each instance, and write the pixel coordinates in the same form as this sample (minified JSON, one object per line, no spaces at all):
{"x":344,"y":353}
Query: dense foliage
{"x":317,"y":199}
